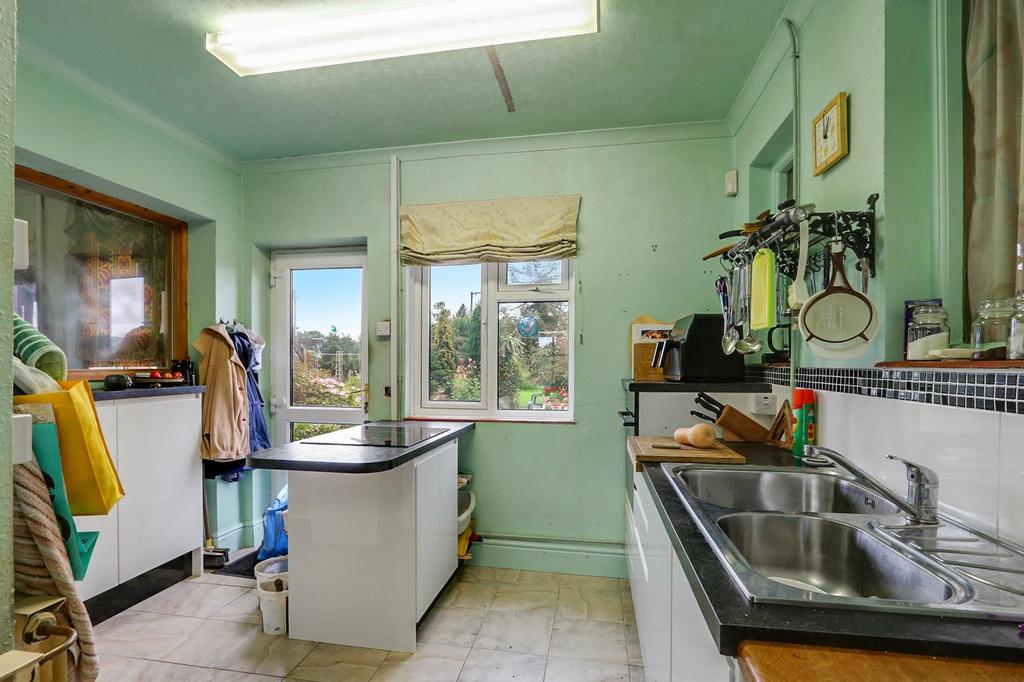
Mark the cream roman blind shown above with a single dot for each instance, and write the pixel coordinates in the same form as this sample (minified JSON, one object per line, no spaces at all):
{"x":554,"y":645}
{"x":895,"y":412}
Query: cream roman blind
{"x":500,"y":230}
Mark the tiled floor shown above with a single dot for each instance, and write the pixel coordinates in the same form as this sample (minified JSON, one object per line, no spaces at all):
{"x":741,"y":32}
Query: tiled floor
{"x":489,"y":625}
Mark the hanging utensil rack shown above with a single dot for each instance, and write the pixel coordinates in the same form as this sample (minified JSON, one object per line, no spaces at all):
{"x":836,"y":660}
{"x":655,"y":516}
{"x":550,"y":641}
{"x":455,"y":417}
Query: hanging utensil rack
{"x":856,"y":229}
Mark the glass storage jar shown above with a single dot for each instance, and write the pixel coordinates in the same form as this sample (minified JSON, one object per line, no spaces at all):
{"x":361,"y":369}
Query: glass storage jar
{"x":991,"y":329}
{"x":1015,"y":346}
{"x":928,"y":330}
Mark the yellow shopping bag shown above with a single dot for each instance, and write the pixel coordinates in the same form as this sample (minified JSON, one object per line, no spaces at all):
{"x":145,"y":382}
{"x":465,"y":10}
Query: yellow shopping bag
{"x":89,"y":473}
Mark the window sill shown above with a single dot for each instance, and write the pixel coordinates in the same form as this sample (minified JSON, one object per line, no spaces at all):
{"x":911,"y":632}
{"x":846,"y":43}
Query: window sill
{"x":101,"y":374}
{"x":490,"y":420}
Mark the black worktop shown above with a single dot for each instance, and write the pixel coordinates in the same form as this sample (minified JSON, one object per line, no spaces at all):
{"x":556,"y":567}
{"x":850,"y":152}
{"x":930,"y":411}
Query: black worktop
{"x":148,"y":392}
{"x":695,"y":386}
{"x":732,"y":618}
{"x":354,"y":459}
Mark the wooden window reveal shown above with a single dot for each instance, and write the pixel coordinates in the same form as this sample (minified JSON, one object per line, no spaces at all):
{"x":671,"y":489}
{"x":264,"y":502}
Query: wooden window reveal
{"x":176,"y":285}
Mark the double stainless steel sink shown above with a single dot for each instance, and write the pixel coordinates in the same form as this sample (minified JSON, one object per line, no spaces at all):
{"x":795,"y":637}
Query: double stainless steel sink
{"x":821,"y":537}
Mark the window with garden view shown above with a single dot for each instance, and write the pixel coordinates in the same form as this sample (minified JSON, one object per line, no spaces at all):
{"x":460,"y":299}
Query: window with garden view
{"x":495,"y":340}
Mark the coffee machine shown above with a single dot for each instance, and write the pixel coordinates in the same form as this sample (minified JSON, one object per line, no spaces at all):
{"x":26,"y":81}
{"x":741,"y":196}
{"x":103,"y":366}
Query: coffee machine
{"x":693,"y":352}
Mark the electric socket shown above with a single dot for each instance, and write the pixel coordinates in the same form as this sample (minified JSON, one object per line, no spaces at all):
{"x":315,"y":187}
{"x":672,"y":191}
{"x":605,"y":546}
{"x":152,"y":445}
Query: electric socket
{"x":765,"y":404}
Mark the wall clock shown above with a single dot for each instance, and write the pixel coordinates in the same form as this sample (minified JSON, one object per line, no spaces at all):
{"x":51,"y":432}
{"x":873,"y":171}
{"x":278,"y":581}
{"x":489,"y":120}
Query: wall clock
{"x":830,"y":134}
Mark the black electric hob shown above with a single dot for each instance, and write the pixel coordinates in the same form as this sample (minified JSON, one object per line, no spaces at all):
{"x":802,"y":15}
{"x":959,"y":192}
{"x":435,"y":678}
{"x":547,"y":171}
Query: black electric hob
{"x":380,"y":435}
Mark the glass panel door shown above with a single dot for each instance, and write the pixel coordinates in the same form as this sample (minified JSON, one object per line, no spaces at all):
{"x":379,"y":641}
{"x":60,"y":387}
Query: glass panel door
{"x":318,"y":339}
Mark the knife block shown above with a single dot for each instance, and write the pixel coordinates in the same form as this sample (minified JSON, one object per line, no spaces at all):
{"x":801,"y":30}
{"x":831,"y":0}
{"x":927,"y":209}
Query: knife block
{"x":737,"y":426}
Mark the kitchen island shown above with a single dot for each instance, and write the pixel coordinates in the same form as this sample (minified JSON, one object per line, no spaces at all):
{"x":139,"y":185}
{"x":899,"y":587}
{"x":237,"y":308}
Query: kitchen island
{"x":372,"y":529}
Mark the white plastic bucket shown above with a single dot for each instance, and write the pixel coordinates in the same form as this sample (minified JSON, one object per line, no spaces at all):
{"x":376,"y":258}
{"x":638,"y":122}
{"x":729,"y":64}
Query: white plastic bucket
{"x":467,"y":503}
{"x":273,"y":606}
{"x":274,"y":567}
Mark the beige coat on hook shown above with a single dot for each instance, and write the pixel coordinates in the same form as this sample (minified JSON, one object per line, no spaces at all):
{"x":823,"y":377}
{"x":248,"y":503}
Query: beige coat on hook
{"x":226,"y":403}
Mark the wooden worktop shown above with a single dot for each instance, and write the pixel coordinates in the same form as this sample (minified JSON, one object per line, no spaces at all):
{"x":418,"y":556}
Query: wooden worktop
{"x":779,"y":662}
{"x":641,"y":449}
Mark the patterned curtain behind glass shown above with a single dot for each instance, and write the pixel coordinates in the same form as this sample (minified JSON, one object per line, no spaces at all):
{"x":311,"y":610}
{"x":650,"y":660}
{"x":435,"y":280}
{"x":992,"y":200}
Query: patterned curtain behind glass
{"x":106,"y":246}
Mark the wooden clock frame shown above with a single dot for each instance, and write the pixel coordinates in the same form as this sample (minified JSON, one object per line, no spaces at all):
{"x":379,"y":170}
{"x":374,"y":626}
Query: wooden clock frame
{"x":840,"y":101}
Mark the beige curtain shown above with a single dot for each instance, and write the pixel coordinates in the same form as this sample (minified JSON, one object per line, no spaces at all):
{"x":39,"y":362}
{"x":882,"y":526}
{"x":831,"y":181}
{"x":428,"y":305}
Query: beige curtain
{"x":502,"y":230}
{"x":995,"y":81}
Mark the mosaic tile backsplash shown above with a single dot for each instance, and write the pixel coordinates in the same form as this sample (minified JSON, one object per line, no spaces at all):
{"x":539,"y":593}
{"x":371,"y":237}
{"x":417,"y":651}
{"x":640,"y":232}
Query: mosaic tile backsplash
{"x":994,"y":390}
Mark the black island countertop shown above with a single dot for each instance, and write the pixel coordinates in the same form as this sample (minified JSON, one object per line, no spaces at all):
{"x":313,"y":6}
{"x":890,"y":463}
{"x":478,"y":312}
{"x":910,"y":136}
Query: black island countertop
{"x":354,"y":459}
{"x":732,"y":618}
{"x":145,"y":392}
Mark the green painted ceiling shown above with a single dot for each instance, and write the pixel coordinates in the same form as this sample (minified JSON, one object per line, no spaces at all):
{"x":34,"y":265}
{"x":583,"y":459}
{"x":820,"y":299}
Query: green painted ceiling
{"x":654,"y":61}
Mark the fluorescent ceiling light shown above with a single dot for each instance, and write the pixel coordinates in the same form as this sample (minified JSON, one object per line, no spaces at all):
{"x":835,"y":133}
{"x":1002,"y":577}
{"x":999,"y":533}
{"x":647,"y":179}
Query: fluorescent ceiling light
{"x":435,"y":26}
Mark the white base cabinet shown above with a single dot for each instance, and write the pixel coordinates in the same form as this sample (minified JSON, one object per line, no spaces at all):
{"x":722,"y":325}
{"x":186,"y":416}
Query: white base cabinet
{"x":161,"y":469}
{"x":154,"y":443}
{"x":674,"y":638}
{"x":694,"y":653}
{"x":437,"y":528}
{"x":368,"y":553}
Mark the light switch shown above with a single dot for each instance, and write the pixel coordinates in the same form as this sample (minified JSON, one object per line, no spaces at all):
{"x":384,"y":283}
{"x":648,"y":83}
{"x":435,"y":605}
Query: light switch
{"x":731,"y":183}
{"x":384,"y":329}
{"x":20,"y":244}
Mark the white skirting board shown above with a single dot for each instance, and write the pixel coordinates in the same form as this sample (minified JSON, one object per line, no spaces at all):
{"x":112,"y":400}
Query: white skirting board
{"x":240,"y":536}
{"x":554,"y":556}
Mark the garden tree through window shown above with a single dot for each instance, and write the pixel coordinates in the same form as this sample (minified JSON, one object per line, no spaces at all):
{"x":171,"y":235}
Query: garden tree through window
{"x":495,"y":340}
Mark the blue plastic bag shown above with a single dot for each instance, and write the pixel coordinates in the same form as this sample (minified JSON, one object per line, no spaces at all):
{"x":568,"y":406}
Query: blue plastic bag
{"x":275,"y":540}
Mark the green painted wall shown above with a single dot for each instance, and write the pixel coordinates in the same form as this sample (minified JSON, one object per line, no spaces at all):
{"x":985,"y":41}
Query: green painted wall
{"x":881,"y":52}
{"x":652,"y":201}
{"x":65,"y":129}
{"x":68,"y":129}
{"x":8,"y":11}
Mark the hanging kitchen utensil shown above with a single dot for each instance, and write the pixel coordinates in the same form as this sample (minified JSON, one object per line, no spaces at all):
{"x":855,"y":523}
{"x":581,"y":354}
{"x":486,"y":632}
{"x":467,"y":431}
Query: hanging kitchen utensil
{"x":720,"y":251}
{"x":864,"y":265}
{"x":838,"y":322}
{"x":762,"y":290}
{"x":729,"y":334}
{"x":798,"y":290}
{"x":748,"y":344}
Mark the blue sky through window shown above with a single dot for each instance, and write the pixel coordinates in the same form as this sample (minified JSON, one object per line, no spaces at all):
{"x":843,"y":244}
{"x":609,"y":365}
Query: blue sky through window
{"x":328,"y":297}
{"x":453,"y":284}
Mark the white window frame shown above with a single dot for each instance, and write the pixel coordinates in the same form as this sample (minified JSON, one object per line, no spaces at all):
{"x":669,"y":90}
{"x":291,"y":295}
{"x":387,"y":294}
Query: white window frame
{"x":503,"y":284}
{"x":283,"y":413}
{"x":785,"y":166}
{"x":493,"y":292}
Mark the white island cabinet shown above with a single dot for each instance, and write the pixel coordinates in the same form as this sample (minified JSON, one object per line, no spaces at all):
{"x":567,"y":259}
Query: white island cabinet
{"x":154,"y":443}
{"x":674,"y":637}
{"x":437,"y":528}
{"x":372,"y":536}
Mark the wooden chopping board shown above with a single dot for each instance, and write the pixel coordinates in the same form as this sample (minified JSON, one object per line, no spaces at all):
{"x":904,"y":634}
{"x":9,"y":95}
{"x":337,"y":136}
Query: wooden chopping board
{"x":641,"y":449}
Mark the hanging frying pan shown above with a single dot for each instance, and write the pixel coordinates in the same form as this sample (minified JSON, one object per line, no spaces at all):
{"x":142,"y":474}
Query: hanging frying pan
{"x":838,"y":322}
